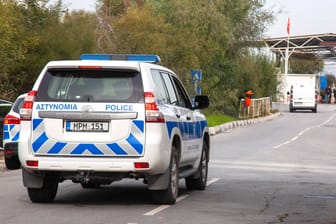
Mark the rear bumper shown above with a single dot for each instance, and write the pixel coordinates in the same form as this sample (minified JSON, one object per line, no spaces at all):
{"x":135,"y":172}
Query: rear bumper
{"x":156,"y":150}
{"x":154,"y":156}
{"x":303,"y":105}
{"x":112,"y":165}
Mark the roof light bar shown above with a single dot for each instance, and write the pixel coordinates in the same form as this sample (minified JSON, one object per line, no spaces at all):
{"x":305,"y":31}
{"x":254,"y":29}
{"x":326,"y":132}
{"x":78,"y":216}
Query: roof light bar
{"x":151,"y":58}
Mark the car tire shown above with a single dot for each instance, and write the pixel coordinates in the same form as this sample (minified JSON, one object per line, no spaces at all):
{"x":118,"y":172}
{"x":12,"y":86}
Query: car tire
{"x":200,"y":182}
{"x":45,"y":194}
{"x":169,"y":195}
{"x":12,"y":163}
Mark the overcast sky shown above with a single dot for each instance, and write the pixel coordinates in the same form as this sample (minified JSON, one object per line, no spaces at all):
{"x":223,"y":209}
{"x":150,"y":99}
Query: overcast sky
{"x":80,"y":4}
{"x":307,"y":16}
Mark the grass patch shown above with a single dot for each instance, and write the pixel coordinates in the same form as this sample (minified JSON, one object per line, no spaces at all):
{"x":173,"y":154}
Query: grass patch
{"x":218,"y":119}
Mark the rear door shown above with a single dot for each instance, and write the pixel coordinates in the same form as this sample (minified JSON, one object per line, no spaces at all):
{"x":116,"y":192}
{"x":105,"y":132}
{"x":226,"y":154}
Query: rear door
{"x":182,"y":117}
{"x":89,"y":112}
{"x":304,"y":95}
{"x":190,"y":126}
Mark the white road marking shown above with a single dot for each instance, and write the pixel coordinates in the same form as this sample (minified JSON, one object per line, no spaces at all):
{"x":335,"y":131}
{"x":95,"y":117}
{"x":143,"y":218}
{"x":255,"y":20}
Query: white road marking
{"x":212,"y":181}
{"x":182,"y":197}
{"x":296,"y":137}
{"x":320,"y":196}
{"x":156,"y":210}
{"x":271,"y":166}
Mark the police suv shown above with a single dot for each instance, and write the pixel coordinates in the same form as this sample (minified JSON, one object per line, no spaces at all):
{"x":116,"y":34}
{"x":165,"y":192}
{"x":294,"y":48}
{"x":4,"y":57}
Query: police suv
{"x":108,"y":117}
{"x":11,"y":133}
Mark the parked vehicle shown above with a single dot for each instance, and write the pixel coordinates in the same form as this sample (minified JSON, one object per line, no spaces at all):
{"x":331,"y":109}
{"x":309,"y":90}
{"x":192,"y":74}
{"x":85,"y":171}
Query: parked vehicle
{"x":11,"y":132}
{"x":108,"y":117}
{"x":303,"y":94}
{"x":5,"y":106}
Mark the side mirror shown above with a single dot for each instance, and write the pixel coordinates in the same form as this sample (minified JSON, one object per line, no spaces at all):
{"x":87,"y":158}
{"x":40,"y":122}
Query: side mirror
{"x":201,"y":102}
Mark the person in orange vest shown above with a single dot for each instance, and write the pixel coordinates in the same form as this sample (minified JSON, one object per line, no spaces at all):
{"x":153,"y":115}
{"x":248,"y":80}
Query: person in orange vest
{"x":248,"y":96}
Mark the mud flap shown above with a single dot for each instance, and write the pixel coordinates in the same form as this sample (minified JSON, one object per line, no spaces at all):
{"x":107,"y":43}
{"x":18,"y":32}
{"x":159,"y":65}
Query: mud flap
{"x":159,"y":182}
{"x":31,"y":180}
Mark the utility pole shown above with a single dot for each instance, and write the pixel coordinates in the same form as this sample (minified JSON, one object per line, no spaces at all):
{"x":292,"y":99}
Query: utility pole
{"x":286,"y":62}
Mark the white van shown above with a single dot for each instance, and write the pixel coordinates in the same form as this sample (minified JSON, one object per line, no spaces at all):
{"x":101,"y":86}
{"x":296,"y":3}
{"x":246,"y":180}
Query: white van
{"x":303,"y":96}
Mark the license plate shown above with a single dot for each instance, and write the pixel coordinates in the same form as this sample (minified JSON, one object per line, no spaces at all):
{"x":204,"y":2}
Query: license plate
{"x":87,"y":126}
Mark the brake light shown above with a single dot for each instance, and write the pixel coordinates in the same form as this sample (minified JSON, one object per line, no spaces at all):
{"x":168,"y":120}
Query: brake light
{"x":10,"y":119}
{"x":153,"y":113}
{"x":27,"y":107}
{"x":90,"y":67}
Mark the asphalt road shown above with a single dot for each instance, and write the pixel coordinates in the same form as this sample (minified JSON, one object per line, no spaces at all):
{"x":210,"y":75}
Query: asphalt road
{"x":279,"y":171}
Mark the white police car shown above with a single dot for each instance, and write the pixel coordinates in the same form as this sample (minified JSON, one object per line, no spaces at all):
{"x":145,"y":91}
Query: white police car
{"x":11,"y":133}
{"x":108,"y":117}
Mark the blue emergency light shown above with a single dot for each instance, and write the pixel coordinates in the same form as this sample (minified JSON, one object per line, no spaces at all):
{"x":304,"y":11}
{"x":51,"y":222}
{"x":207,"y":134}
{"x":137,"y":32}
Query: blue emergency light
{"x":151,"y":58}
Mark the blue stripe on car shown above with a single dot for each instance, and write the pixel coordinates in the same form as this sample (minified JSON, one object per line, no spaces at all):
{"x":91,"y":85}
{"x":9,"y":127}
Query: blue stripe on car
{"x":43,"y":145}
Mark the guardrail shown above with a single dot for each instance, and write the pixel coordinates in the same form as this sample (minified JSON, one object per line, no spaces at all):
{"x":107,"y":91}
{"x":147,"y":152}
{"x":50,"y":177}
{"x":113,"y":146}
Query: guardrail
{"x":259,"y":107}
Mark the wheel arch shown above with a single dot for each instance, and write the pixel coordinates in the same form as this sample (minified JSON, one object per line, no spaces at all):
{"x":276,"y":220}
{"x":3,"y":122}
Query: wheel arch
{"x":206,"y":140}
{"x":161,"y":181}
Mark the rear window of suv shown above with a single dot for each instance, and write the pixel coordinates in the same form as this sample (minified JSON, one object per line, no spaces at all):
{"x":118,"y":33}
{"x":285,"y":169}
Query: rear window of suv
{"x":18,"y":104}
{"x":90,"y":85}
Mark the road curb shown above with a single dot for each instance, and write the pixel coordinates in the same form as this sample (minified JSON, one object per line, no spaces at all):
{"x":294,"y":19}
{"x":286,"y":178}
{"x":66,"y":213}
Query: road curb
{"x":239,"y":123}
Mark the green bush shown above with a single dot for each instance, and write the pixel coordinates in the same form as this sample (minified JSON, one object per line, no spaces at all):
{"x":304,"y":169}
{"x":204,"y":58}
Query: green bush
{"x":218,"y":119}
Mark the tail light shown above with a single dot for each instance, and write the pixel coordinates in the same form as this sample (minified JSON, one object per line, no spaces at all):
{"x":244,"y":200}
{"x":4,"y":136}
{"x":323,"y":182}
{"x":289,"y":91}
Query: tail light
{"x":8,"y":152}
{"x":32,"y":163}
{"x":143,"y":165}
{"x":10,"y":119}
{"x":27,"y":107}
{"x":153,"y":113}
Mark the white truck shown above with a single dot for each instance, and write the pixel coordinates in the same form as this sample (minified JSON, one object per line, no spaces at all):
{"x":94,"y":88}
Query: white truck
{"x":302,"y":92}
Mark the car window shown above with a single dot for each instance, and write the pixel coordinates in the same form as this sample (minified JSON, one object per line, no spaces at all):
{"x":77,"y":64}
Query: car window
{"x":160,"y":86}
{"x":183,"y":99}
{"x":18,"y":104}
{"x":170,"y":89}
{"x":91,"y":86}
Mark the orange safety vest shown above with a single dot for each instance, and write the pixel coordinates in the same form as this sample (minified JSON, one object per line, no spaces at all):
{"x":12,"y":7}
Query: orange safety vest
{"x":247,"y":101}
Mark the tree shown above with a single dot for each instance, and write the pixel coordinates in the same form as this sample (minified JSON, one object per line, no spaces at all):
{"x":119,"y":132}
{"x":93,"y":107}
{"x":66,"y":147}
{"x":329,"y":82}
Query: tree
{"x":14,"y":45}
{"x":34,"y":34}
{"x":306,"y":66}
{"x":213,"y":36}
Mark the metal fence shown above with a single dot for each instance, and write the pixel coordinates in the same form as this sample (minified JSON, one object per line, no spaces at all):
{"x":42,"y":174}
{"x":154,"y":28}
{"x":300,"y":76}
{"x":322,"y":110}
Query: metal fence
{"x":258,"y":108}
